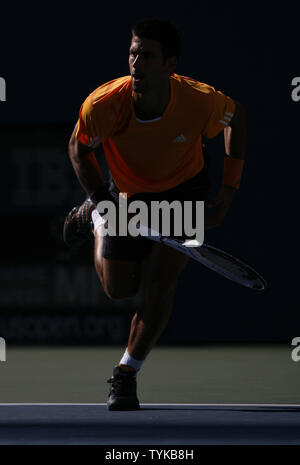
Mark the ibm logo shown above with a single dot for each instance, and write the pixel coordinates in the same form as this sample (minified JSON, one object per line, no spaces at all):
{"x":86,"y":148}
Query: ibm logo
{"x":2,"y":90}
{"x":2,"y":350}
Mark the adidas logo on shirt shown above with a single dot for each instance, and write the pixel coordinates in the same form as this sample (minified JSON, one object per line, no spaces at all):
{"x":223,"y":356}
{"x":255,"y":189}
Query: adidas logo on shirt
{"x":180,"y":138}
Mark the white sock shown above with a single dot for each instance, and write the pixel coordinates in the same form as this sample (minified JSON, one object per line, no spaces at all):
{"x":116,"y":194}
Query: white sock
{"x":132,"y":362}
{"x":97,"y":219}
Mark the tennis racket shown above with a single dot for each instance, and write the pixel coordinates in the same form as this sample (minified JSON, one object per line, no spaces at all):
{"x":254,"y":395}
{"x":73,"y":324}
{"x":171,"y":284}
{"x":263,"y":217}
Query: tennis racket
{"x":221,"y":262}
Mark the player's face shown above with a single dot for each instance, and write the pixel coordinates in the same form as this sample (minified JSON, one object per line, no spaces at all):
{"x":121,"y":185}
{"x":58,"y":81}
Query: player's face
{"x":146,"y":64}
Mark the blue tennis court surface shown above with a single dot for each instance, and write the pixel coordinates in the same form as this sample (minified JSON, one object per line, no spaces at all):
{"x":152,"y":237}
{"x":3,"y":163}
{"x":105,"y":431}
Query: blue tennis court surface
{"x":169,"y":424}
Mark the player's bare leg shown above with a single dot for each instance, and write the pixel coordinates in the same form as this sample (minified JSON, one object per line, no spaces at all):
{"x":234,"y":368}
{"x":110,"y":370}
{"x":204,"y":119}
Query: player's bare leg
{"x":163,"y":270}
{"x":120,"y":278}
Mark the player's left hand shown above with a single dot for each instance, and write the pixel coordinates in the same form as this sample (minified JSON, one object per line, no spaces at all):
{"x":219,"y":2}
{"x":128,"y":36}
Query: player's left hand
{"x":218,"y":207}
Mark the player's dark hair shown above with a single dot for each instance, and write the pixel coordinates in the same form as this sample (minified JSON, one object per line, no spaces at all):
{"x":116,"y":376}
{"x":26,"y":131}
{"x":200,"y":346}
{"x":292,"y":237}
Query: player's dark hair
{"x":161,"y":30}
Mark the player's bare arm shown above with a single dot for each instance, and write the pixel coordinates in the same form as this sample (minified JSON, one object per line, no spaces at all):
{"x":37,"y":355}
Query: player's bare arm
{"x":85,"y":164}
{"x":235,"y":134}
{"x":235,"y":144}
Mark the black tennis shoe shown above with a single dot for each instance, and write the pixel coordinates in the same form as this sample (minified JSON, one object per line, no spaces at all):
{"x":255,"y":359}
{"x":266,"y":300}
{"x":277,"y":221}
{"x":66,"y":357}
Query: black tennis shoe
{"x":122,"y":394}
{"x":78,"y":225}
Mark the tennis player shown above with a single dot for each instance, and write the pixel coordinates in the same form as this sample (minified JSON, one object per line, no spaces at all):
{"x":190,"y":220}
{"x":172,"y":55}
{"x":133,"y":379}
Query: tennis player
{"x":150,"y":124}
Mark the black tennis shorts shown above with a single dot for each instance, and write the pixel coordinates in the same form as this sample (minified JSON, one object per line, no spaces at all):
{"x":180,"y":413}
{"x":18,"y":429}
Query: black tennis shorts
{"x":136,"y":248}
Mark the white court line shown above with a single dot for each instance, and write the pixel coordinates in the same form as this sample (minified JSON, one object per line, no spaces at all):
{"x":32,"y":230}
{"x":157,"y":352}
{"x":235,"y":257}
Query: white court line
{"x":158,"y":405}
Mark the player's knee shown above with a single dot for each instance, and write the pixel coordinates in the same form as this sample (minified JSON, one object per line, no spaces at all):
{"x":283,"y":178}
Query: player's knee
{"x":117,"y":293}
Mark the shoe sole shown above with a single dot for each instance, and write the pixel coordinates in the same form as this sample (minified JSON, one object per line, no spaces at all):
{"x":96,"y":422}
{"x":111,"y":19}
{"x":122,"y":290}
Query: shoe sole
{"x":123,"y":407}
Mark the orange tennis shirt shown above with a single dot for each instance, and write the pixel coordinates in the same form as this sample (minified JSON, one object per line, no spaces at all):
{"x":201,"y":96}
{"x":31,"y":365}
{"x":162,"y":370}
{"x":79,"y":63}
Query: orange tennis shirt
{"x":153,"y":155}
